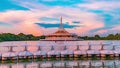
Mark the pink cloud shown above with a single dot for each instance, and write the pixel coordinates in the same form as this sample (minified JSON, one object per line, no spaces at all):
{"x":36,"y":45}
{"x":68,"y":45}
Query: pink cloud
{"x":101,"y":32}
{"x":24,"y":21}
{"x":117,"y":27}
{"x":105,"y":5}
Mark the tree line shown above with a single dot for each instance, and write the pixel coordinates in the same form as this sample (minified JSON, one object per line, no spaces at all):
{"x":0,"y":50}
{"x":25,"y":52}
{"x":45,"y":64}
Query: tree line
{"x":28,"y":37}
{"x":19,"y":37}
{"x":98,"y":37}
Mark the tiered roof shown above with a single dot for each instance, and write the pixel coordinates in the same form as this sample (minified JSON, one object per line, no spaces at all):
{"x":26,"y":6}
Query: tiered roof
{"x":60,"y":33}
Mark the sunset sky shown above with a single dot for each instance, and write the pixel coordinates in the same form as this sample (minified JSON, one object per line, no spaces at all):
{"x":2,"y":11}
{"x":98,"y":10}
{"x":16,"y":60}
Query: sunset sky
{"x":38,"y":17}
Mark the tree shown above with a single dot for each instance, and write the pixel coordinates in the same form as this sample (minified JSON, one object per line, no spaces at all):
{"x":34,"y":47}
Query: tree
{"x":22,"y":37}
{"x":117,"y":36}
{"x":29,"y":36}
{"x":8,"y":37}
{"x":41,"y":37}
{"x":0,"y":40}
{"x":97,"y":37}
{"x":110,"y":37}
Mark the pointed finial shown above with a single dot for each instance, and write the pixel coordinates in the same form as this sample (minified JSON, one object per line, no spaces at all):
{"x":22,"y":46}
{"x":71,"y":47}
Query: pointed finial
{"x":61,"y":20}
{"x":61,"y":25}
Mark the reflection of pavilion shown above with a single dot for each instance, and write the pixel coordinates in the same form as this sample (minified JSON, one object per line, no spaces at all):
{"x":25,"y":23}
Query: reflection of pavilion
{"x":61,"y":35}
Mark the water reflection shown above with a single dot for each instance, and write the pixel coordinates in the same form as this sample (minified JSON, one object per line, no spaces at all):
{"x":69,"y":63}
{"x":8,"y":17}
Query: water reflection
{"x":59,"y":64}
{"x":65,"y":64}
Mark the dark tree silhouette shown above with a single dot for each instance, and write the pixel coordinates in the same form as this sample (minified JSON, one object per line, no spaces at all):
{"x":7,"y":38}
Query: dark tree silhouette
{"x":27,"y":37}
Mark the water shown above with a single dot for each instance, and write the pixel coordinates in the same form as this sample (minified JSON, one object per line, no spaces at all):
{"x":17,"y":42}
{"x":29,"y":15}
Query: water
{"x":65,"y":64}
{"x":33,"y":46}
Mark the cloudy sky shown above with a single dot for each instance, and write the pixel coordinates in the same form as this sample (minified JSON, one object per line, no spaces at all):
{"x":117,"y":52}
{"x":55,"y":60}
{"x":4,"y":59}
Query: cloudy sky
{"x":84,"y":17}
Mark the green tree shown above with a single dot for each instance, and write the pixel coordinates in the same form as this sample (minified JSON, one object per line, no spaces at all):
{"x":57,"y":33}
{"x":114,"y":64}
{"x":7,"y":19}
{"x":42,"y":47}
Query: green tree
{"x":0,"y":40}
{"x":22,"y":37}
{"x":117,"y":36}
{"x":97,"y":37}
{"x":30,"y":37}
{"x":110,"y":37}
{"x":41,"y":37}
{"x":8,"y":37}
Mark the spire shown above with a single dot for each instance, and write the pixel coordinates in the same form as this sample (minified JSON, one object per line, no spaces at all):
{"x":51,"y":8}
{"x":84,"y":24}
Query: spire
{"x":61,"y":25}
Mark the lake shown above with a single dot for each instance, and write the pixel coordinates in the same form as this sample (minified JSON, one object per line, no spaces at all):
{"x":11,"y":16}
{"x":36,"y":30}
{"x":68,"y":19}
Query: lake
{"x":65,"y":64}
{"x":33,"y":46}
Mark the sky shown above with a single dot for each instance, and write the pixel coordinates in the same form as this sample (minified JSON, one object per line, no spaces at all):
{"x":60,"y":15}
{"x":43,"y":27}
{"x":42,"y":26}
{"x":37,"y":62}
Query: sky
{"x":41,"y":17}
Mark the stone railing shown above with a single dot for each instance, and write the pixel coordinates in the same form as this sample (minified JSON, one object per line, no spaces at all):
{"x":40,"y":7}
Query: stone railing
{"x":100,"y":50}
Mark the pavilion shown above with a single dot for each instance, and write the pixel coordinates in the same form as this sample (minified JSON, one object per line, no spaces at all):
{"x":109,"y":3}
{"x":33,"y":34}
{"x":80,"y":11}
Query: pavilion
{"x":61,"y":35}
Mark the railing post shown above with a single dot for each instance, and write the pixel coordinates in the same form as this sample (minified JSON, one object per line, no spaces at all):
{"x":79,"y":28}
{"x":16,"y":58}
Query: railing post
{"x":89,"y":46}
{"x":77,"y":47}
{"x":102,"y":46}
{"x":39,"y":48}
{"x":103,"y":65}
{"x":52,"y":48}
{"x":114,"y":64}
{"x":90,"y":64}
